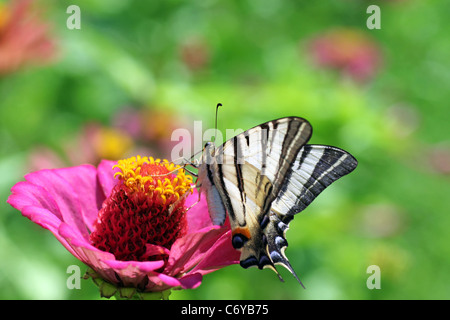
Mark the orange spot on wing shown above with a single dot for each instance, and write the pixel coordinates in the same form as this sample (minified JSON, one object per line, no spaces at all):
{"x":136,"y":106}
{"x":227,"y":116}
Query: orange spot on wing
{"x":244,"y":231}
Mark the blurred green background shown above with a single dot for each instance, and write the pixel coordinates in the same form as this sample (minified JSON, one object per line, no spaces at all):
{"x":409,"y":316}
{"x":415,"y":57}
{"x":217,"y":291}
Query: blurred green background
{"x":136,"y":70}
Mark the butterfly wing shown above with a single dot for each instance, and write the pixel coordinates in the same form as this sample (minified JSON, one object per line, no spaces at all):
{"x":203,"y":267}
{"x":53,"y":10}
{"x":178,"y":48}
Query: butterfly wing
{"x":251,"y":168}
{"x":315,"y":168}
{"x":264,"y":176}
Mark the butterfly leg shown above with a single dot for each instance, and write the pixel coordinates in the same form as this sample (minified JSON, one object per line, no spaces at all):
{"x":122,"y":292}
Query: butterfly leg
{"x":192,"y":173}
{"x":192,"y":164}
{"x":191,"y":206}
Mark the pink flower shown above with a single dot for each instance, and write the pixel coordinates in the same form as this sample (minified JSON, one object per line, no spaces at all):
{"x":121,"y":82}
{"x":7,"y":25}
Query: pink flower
{"x":134,"y":232}
{"x":349,"y":51}
{"x":24,"y":38}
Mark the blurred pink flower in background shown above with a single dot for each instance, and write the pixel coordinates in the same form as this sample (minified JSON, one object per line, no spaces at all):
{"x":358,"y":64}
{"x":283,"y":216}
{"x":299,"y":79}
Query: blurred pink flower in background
{"x":350,"y":51}
{"x":381,"y":220}
{"x":132,"y":131}
{"x":93,"y":143}
{"x":439,"y":158}
{"x":150,"y":128}
{"x":135,"y":232}
{"x":97,"y":142}
{"x":24,"y":36}
{"x":195,"y":54}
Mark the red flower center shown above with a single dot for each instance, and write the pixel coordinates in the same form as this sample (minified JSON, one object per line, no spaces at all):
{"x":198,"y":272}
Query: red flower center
{"x":145,"y":208}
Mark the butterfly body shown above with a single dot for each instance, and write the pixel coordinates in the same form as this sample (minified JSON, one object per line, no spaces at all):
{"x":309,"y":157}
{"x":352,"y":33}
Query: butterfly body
{"x":261,"y":178}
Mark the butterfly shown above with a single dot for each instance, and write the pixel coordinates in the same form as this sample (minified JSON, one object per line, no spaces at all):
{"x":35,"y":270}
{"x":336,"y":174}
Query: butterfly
{"x":261,"y":178}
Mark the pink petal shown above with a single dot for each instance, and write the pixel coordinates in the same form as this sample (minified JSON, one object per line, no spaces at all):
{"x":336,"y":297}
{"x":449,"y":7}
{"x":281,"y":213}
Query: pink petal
{"x":154,"y":250}
{"x":42,"y":217}
{"x":133,"y":273}
{"x":105,"y":174}
{"x":64,"y":194}
{"x":26,"y":194}
{"x":128,"y":273}
{"x":48,"y":200}
{"x":140,"y":266}
{"x":155,"y":283}
{"x":83,"y":180}
{"x":213,"y":261}
{"x":88,"y":254}
{"x":49,"y":221}
{"x":187,"y":282}
{"x":187,"y":251}
{"x":168,"y":280}
{"x":191,"y":281}
{"x":198,"y":216}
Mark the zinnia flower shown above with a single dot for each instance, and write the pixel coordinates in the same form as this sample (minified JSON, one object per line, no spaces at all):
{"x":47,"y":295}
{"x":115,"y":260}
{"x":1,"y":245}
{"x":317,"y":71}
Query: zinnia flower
{"x":129,"y":222}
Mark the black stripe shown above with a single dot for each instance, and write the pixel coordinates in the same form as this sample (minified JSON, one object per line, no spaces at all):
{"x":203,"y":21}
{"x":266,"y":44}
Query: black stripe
{"x":285,"y":161}
{"x":249,"y":262}
{"x":264,"y":140}
{"x":286,"y":144}
{"x":263,"y":221}
{"x":209,"y":174}
{"x":224,"y":192}
{"x":326,"y":161}
{"x":265,"y":128}
{"x":247,"y":138}
{"x":304,"y":153}
{"x":239,"y":178}
{"x":309,"y":193}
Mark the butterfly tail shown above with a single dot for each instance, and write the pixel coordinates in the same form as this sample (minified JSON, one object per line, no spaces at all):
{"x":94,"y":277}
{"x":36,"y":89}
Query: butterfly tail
{"x":275,"y":233}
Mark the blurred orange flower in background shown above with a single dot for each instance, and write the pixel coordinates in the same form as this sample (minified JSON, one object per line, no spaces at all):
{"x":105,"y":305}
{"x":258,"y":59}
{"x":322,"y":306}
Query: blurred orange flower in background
{"x":131,"y":131}
{"x":24,"y":36}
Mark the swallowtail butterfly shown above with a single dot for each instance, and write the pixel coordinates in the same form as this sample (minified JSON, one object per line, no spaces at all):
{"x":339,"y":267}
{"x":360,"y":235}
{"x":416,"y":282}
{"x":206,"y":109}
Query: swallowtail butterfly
{"x":262,"y":178}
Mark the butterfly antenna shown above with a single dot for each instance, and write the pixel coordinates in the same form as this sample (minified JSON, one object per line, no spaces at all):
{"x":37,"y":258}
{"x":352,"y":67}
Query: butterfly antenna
{"x":167,"y":173}
{"x":215,"y":126}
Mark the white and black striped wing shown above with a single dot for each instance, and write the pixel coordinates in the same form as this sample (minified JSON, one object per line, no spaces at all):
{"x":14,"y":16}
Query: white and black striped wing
{"x":266,"y":175}
{"x":253,"y":164}
{"x":251,"y":169}
{"x":314,"y":169}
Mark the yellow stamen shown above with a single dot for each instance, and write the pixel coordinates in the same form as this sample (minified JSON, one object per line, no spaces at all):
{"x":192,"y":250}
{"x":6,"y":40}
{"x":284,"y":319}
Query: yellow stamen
{"x":164,"y":185}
